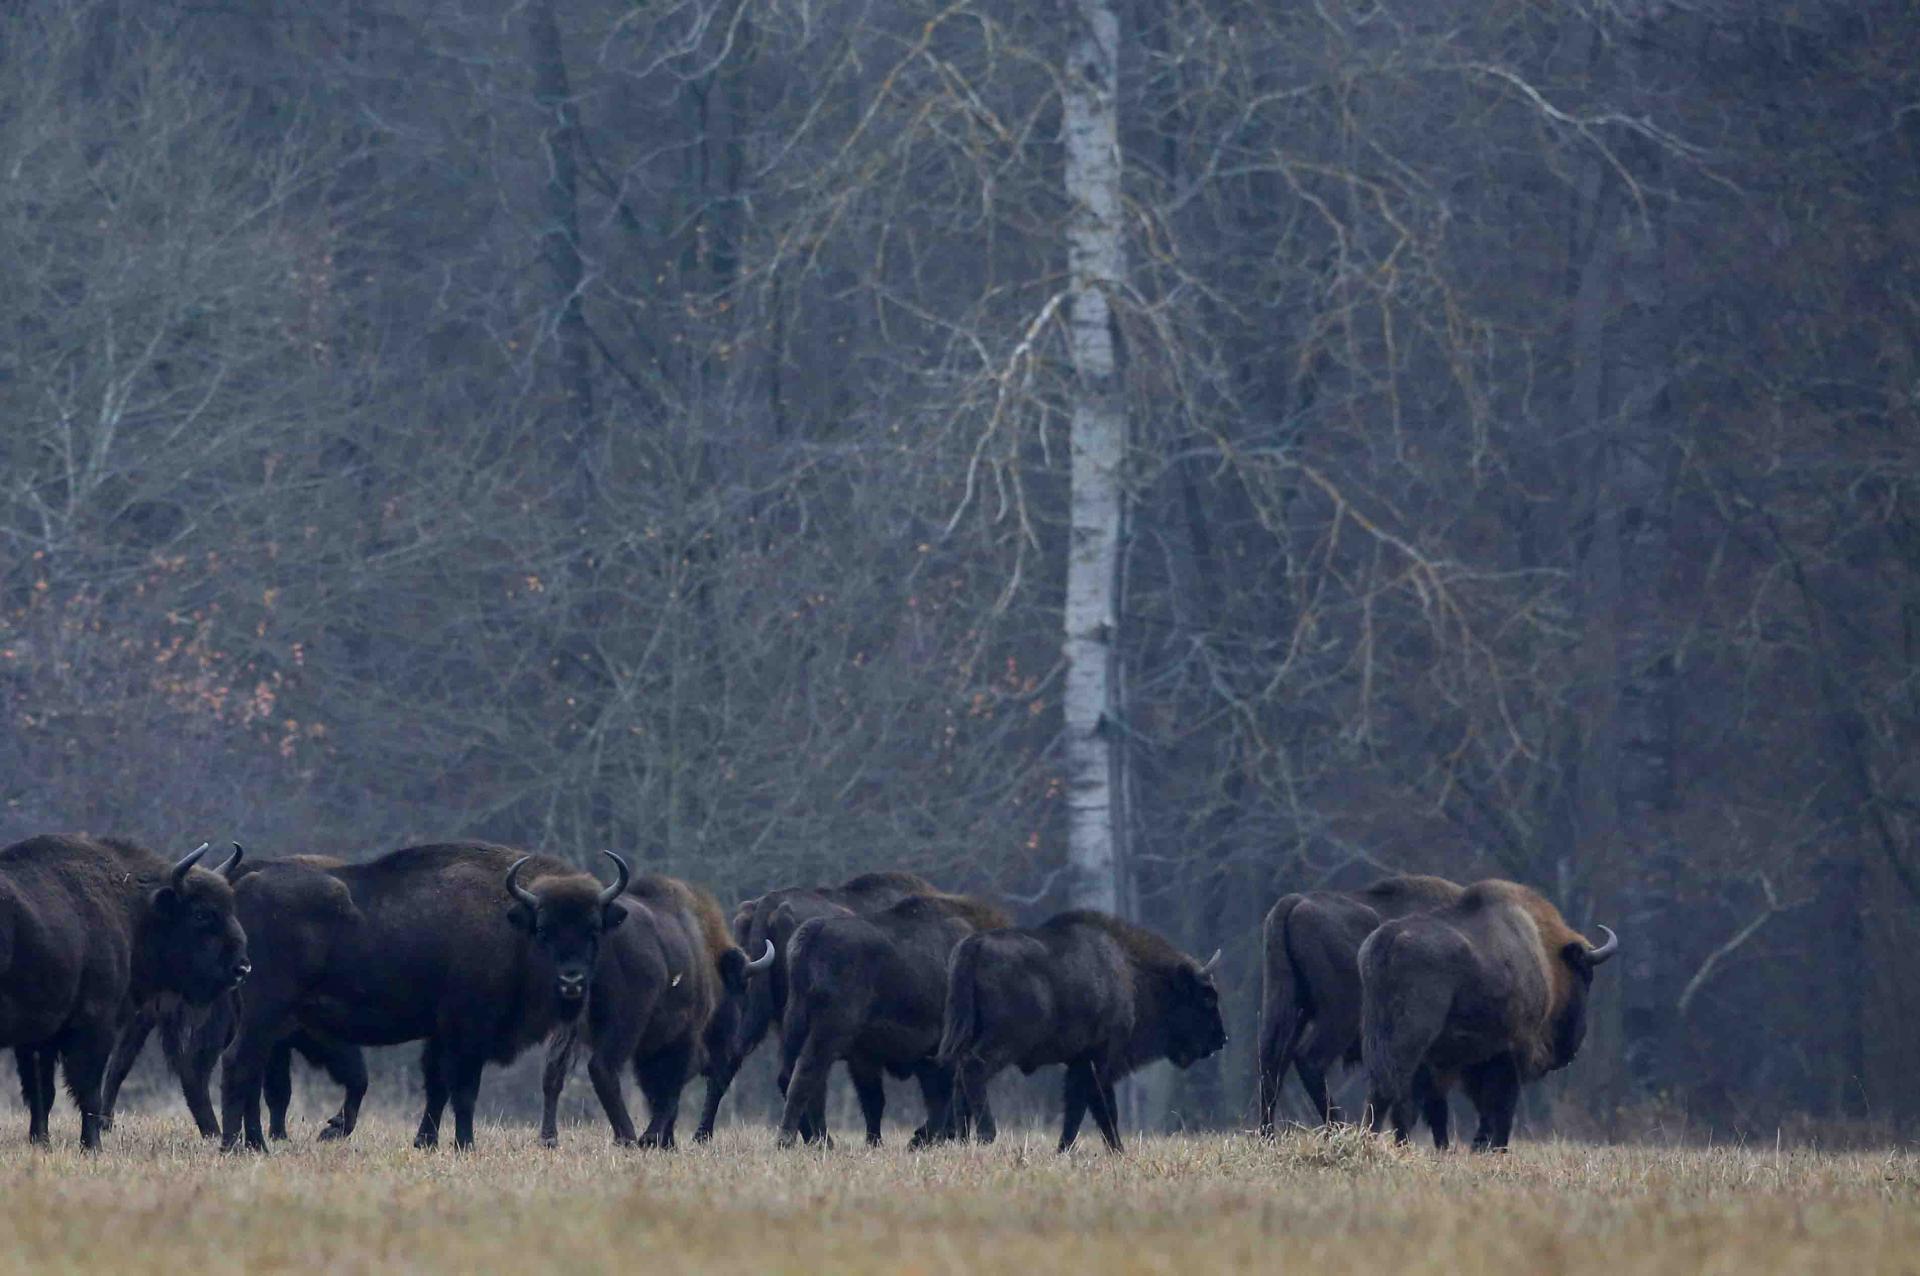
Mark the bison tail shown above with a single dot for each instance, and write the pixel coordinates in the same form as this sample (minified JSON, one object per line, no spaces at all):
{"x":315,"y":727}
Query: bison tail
{"x":1280,"y":1018}
{"x":962,"y":1021}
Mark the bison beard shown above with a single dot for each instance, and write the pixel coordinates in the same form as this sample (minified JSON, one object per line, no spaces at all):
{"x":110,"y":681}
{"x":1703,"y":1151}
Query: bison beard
{"x":89,"y":926}
{"x":871,"y":990}
{"x":1085,"y":989}
{"x":1310,"y":997}
{"x":1491,"y":988}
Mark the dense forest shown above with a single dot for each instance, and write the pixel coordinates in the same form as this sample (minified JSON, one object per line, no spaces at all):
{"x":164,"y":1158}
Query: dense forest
{"x":650,"y":425}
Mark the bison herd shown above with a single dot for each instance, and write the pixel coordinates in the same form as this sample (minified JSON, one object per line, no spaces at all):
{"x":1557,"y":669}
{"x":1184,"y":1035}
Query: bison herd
{"x":479,"y":952}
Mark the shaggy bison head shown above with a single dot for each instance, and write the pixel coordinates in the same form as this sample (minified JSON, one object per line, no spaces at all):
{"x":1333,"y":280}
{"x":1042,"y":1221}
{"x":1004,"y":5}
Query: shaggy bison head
{"x":566,"y":917}
{"x":198,"y":947}
{"x":1194,"y":1026}
{"x":1569,"y":1022}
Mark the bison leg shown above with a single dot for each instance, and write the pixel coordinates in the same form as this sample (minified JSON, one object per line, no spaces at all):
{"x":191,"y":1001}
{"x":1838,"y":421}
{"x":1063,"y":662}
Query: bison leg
{"x":1079,"y":1092}
{"x":36,"y":1088}
{"x":662,"y":1078}
{"x":1494,"y":1087}
{"x":1314,"y":1081}
{"x":871,"y":1090}
{"x":1432,"y":1098}
{"x":722,"y":1065}
{"x":604,"y":1072}
{"x":83,"y":1056}
{"x":463,"y":1088}
{"x":970,"y":1082}
{"x":1279,"y":1046}
{"x":348,"y":1068}
{"x":276,"y":1086}
{"x":126,"y":1052}
{"x":936,"y":1091}
{"x":1106,"y":1109}
{"x":433,"y":1078}
{"x":553,"y":1079}
{"x":199,"y":1055}
{"x":805,"y":1111}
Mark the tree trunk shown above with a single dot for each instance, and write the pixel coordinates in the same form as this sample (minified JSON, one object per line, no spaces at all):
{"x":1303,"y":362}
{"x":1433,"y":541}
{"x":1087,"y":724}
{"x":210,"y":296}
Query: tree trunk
{"x":560,"y":242}
{"x":1097,"y":269}
{"x":1627,"y":783}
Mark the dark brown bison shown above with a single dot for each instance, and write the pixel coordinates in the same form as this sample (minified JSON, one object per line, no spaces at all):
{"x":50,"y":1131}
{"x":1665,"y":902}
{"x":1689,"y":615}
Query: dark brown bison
{"x":1100,"y":995}
{"x":764,"y":925}
{"x":661,"y":977}
{"x":90,"y":927}
{"x":1491,"y":988}
{"x":192,"y":1038}
{"x":427,"y":943}
{"x":1310,"y":998}
{"x":872,"y":990}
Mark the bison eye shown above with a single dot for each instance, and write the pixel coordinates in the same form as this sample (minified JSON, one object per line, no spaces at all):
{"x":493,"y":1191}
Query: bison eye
{"x":206,"y":919}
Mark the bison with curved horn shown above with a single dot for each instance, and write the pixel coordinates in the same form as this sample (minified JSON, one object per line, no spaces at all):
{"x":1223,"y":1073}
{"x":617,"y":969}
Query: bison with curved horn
{"x":192,"y":1039}
{"x":92,"y":926}
{"x":1310,"y":995}
{"x":1085,"y":989}
{"x":1492,"y":988}
{"x":662,"y":978}
{"x":478,"y":950}
{"x":764,"y":925}
{"x":872,"y":990}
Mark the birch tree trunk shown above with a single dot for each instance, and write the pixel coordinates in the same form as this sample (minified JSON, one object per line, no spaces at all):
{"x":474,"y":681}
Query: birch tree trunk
{"x":1097,"y":268}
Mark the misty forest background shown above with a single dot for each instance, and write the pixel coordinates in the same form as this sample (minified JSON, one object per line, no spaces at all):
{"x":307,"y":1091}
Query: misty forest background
{"x":645,"y":425}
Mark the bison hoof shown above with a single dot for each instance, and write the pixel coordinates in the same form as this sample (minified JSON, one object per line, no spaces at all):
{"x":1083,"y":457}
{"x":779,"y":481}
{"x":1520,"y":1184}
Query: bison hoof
{"x":549,"y":1139}
{"x":787,"y":1139}
{"x":703,"y":1135}
{"x":425,"y":1141}
{"x":106,"y":1121}
{"x":332,"y":1132}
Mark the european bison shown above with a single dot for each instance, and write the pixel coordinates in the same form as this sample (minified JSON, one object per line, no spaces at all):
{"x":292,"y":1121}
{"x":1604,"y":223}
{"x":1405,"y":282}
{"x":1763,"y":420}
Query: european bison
{"x":1085,"y":989}
{"x":1492,"y":988}
{"x":661,"y":976}
{"x":90,"y":927}
{"x":872,"y":990}
{"x":1310,"y":999}
{"x":760,"y":926}
{"x":423,"y":943}
{"x":194,"y":1037}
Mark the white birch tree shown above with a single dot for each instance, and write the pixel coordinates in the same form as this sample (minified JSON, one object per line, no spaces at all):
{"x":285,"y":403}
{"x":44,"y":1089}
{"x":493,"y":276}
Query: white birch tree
{"x":1097,"y":270}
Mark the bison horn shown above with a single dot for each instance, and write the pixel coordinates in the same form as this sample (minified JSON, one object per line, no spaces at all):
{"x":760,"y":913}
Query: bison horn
{"x":187,"y":861}
{"x":1213,"y":963}
{"x":1597,"y":955}
{"x":232,"y":862}
{"x":763,"y":961}
{"x":613,"y":892}
{"x":515,"y":889}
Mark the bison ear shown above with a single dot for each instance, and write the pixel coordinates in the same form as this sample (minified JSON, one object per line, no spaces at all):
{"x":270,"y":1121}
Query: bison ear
{"x":166,"y":901}
{"x":614,"y":915}
{"x":1574,"y":953}
{"x":520,"y":917}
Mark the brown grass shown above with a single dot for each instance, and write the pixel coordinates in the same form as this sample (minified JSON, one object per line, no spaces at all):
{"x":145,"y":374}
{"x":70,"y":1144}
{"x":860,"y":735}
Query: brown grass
{"x":159,"y":1199}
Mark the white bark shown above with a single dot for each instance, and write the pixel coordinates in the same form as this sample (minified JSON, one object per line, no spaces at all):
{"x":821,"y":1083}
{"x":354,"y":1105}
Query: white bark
{"x":1097,"y":268}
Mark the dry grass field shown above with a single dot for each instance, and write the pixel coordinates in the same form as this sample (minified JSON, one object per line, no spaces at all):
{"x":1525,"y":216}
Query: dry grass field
{"x":158,"y":1199}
